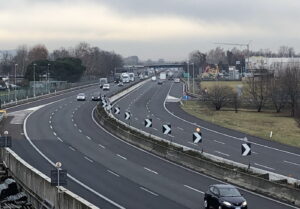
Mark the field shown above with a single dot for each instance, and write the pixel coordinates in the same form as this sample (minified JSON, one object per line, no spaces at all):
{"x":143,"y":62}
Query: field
{"x":232,"y":84}
{"x":285,"y":129}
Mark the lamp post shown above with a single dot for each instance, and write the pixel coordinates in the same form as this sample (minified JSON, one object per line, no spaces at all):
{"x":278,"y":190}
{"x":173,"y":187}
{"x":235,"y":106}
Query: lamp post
{"x":188,"y":69}
{"x":16,"y":65}
{"x":193,"y":78}
{"x":34,"y":79}
{"x":48,"y":87}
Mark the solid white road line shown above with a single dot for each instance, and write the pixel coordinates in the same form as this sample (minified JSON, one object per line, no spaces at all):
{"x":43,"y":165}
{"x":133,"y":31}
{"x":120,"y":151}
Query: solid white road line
{"x":88,"y":159}
{"x":264,"y":166}
{"x":219,"y":142}
{"x":180,"y":128}
{"x":59,"y":139}
{"x":223,"y":134}
{"x":150,"y":170}
{"x":124,"y":158}
{"x":71,"y":148}
{"x":221,"y":153}
{"x":297,"y":164}
{"x":172,"y":163}
{"x":196,"y":190}
{"x":146,"y":190}
{"x":113,"y":173}
{"x":100,"y":145}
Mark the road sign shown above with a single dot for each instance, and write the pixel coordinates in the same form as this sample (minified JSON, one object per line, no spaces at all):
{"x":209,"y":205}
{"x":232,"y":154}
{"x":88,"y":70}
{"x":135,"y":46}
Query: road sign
{"x":104,"y":103}
{"x":5,"y":141}
{"x":62,"y":177}
{"x":197,"y":137}
{"x":117,"y":110}
{"x":148,"y":123}
{"x":166,"y":129}
{"x":108,"y":107}
{"x":127,"y":115}
{"x":246,"y":149}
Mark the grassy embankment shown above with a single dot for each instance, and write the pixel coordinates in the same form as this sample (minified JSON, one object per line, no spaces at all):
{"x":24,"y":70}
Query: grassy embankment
{"x":285,"y":129}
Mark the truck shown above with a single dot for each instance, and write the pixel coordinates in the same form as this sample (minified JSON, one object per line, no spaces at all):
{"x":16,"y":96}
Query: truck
{"x":162,"y":76}
{"x":102,"y":81}
{"x":131,"y":76}
{"x":125,"y":77}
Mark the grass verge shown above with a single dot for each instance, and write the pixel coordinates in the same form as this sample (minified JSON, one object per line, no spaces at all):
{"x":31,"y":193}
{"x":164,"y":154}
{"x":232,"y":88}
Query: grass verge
{"x":285,"y":129}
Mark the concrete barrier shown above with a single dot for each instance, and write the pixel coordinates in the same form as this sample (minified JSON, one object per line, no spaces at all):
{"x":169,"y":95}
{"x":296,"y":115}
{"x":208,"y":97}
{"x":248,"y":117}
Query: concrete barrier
{"x":38,"y":187}
{"x":197,"y":161}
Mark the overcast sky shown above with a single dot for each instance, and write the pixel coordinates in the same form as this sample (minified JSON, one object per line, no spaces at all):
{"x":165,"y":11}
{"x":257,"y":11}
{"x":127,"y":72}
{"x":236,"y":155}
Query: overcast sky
{"x":168,"y":29}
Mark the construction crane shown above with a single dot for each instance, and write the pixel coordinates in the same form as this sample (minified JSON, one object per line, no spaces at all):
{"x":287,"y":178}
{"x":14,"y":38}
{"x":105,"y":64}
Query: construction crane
{"x":241,"y":45}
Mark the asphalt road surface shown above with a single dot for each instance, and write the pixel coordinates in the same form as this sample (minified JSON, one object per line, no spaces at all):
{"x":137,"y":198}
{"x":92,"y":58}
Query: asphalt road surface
{"x":105,"y":170}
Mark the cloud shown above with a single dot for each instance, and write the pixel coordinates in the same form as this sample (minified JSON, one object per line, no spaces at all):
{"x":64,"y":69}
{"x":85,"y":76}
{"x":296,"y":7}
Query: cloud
{"x":156,"y":22}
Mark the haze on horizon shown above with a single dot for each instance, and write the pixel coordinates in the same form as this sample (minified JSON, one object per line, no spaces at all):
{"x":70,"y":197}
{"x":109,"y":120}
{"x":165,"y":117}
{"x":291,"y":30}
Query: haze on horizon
{"x":168,"y":29}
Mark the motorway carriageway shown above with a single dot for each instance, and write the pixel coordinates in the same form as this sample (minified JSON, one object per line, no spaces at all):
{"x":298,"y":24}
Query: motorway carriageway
{"x":107,"y":171}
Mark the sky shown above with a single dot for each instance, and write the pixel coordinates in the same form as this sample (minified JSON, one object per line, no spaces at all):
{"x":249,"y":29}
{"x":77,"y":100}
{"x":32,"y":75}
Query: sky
{"x":168,"y":29}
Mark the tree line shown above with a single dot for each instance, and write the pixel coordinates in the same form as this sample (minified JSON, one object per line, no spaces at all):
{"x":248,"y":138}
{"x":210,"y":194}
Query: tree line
{"x":65,"y":64}
{"x":224,"y":58}
{"x":266,"y":90}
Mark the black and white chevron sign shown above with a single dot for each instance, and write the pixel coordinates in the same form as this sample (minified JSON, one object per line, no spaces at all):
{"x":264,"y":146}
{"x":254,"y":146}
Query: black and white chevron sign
{"x":117,"y":110}
{"x":197,"y":137}
{"x":246,"y":149}
{"x":104,"y":103}
{"x":166,"y":129}
{"x":127,"y":115}
{"x":148,"y":123}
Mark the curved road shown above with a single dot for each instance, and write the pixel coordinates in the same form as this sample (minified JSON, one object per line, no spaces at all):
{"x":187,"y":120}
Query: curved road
{"x":114,"y":173}
{"x":149,"y":102}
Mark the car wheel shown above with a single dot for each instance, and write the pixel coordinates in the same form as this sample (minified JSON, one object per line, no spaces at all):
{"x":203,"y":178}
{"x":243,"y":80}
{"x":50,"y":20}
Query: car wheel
{"x":206,"y":205}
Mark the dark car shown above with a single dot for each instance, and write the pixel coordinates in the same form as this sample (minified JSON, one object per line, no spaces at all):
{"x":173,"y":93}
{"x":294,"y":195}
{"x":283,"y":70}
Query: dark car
{"x":96,"y":97}
{"x":160,"y":82}
{"x":224,"y":196}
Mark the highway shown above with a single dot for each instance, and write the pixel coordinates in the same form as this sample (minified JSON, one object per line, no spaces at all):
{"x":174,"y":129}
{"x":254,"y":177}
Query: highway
{"x":107,"y":171}
{"x":149,"y":102}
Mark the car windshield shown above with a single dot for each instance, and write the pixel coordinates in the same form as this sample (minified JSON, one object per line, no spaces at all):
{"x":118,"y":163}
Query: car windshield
{"x":229,"y":192}
{"x":81,"y":94}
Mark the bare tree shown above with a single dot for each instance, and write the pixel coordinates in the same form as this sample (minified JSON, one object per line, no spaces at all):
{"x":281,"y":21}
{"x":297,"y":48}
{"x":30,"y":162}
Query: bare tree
{"x":38,"y":52}
{"x":199,"y":60}
{"x":6,"y":62}
{"x":258,"y":89}
{"x":278,"y":91}
{"x":291,"y":80}
{"x":220,"y":95}
{"x":21,"y":58}
{"x":60,"y":53}
{"x":216,"y":56}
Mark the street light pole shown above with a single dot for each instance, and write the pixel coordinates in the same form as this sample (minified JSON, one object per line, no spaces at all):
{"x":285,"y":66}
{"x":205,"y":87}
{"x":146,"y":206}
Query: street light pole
{"x":48,"y":87}
{"x":16,"y":82}
{"x":34,"y":79}
{"x":188,"y":69}
{"x":193,"y":78}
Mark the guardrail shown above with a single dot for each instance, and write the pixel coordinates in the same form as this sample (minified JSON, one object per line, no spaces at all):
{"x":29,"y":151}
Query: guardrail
{"x":38,"y":186}
{"x":255,"y":180}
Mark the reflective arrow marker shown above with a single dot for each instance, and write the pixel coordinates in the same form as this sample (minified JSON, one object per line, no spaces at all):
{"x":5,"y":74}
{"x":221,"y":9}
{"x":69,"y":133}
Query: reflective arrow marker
{"x":117,"y":110}
{"x":127,"y":115}
{"x":148,"y":123}
{"x":246,"y":149}
{"x":166,"y":129}
{"x":197,"y":137}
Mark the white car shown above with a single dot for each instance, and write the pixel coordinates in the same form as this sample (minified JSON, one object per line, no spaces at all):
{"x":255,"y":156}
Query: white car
{"x":153,"y":78}
{"x":106,"y":87}
{"x":177,"y":80}
{"x":81,"y":97}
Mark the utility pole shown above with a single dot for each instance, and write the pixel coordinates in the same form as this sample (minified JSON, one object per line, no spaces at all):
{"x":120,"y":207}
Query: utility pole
{"x":16,"y":65}
{"x":188,"y":69}
{"x":34,"y":79}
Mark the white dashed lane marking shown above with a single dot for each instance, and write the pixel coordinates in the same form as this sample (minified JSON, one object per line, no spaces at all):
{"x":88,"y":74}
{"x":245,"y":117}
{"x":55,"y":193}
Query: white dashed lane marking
{"x":71,"y":148}
{"x":113,"y":173}
{"x":124,"y":158}
{"x":221,"y":153}
{"x":100,"y":145}
{"x":263,"y":166}
{"x":219,"y":142}
{"x":196,"y":190}
{"x":296,"y":164}
{"x":146,"y":190}
{"x":88,"y":159}
{"x":152,"y":171}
